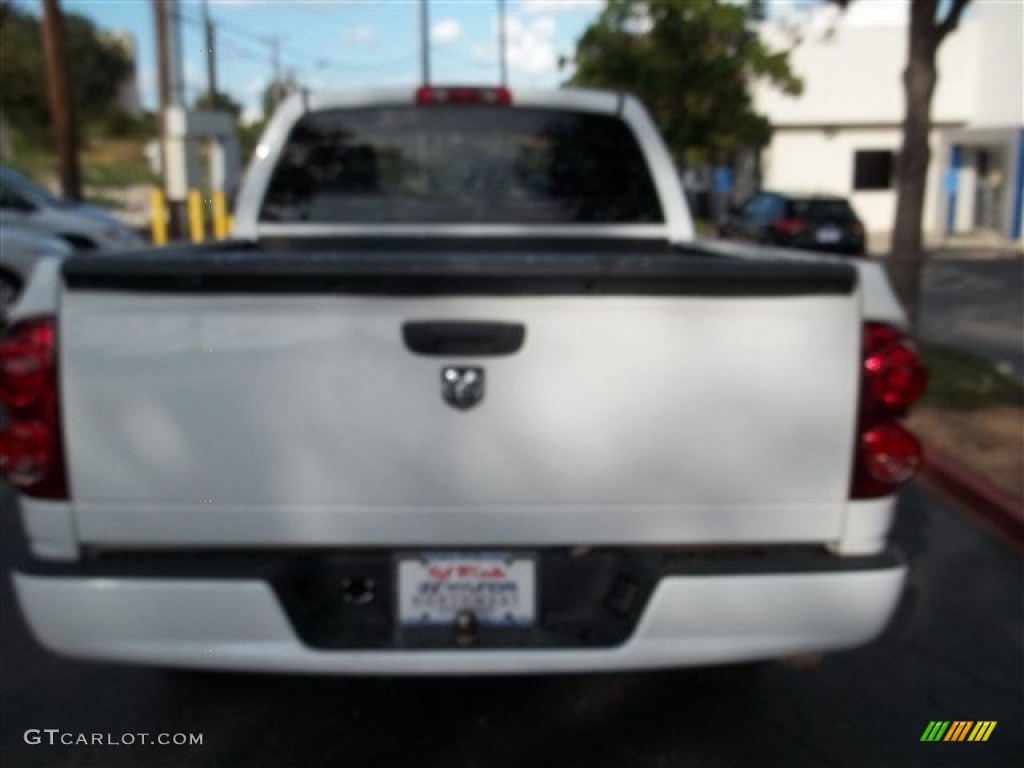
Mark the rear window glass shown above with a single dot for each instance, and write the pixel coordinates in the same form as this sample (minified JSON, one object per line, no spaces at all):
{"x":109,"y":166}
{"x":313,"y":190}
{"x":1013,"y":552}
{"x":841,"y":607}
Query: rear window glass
{"x":823,"y":210}
{"x":453,"y":164}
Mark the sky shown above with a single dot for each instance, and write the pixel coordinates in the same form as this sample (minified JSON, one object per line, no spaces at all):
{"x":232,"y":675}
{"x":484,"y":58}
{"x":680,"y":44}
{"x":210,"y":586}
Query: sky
{"x":353,"y":43}
{"x":358,"y":43}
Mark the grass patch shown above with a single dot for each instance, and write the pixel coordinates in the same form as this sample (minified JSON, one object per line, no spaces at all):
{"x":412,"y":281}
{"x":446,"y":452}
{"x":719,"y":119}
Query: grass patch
{"x":116,"y":163}
{"x":102,"y":200}
{"x":103,"y":163}
{"x":962,"y":380}
{"x":705,"y":228}
{"x":117,"y":173}
{"x":33,"y":163}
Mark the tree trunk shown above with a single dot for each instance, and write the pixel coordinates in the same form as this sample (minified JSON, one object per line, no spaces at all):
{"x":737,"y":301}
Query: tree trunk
{"x":906,"y":256}
{"x":58,"y":88}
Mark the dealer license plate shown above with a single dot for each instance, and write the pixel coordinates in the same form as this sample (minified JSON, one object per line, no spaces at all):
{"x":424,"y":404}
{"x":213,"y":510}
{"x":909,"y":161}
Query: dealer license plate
{"x":499,"y":588}
{"x":829,"y":235}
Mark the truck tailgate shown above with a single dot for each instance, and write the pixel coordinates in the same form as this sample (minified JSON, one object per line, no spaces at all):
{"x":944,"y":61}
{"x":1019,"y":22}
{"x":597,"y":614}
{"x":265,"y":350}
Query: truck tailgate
{"x":270,"y":399}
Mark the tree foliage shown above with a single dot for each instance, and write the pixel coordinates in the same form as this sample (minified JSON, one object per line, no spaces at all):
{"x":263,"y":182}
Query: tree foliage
{"x":98,"y":67}
{"x":276,"y":92}
{"x":693,"y":63}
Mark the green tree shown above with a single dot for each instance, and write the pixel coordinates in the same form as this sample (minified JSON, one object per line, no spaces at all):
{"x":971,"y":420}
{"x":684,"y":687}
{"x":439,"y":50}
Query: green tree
{"x":276,"y":92}
{"x":249,"y":136}
{"x":693,"y":63}
{"x":98,"y":67}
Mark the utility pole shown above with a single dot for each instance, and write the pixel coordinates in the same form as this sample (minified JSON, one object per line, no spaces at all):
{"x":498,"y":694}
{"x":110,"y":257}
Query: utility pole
{"x":425,"y":40}
{"x":176,"y":214}
{"x":502,"y":52}
{"x":211,"y":61}
{"x":277,"y":89}
{"x":176,"y":53}
{"x":164,"y":89}
{"x":275,"y":53}
{"x":59,"y":92}
{"x":163,"y":65}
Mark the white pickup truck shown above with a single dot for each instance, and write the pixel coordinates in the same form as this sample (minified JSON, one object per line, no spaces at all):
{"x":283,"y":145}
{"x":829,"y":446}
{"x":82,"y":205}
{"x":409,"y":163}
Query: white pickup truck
{"x":464,"y":395}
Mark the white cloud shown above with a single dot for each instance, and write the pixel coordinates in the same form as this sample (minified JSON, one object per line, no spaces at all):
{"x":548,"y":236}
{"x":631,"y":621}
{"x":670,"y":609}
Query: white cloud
{"x":530,"y":44}
{"x":315,"y":5}
{"x":446,"y":31}
{"x":554,"y":7}
{"x":544,"y":25}
{"x":362,"y":36}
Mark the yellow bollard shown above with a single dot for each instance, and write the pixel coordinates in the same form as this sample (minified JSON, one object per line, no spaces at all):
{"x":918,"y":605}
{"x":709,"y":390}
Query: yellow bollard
{"x":157,"y":216}
{"x":231,"y":224}
{"x":220,"y":215}
{"x":196,"y":225}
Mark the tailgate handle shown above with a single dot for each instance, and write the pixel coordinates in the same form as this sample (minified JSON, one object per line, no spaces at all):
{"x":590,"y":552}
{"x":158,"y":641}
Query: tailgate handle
{"x":463,"y":339}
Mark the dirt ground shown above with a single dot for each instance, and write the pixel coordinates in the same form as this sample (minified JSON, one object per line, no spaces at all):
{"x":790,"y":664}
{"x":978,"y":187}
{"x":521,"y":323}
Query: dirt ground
{"x":989,"y":441}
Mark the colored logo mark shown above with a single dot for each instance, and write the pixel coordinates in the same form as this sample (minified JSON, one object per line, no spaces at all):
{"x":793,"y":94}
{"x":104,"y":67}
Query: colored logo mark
{"x":958,"y":730}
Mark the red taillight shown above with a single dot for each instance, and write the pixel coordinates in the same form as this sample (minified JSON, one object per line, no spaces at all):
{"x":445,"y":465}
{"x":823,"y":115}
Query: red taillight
{"x":25,"y":452}
{"x":25,"y":363}
{"x":789,"y":227}
{"x":858,"y":228}
{"x":430,"y":95}
{"x":31,"y":451}
{"x":893,"y":372}
{"x":887,"y":456}
{"x":892,"y":379}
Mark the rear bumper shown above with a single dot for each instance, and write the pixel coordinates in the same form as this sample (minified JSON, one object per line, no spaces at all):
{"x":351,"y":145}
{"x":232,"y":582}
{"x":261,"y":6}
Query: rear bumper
{"x":696,"y":618}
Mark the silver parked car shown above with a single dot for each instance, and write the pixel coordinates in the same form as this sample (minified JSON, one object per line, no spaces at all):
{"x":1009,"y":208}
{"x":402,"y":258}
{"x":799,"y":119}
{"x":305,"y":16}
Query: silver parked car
{"x":26,"y":205}
{"x":20,"y":249}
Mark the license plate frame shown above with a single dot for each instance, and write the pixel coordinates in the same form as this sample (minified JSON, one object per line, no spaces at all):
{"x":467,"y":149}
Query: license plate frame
{"x":433,"y":587}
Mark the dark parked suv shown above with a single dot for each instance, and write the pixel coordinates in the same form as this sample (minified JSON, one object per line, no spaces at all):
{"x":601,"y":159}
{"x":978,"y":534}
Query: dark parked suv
{"x":810,"y":222}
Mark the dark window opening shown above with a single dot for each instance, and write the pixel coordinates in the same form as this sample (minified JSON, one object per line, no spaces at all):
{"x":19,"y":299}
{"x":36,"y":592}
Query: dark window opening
{"x":873,"y":169}
{"x":458,"y":164}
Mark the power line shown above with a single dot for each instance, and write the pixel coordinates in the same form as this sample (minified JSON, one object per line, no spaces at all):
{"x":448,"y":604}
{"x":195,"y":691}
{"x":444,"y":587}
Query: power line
{"x":242,"y":53}
{"x":292,"y":58}
{"x":465,"y":60}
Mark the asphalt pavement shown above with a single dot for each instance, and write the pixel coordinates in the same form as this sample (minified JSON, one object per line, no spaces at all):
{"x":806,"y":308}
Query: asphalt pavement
{"x":955,"y":651}
{"x":977,"y":305}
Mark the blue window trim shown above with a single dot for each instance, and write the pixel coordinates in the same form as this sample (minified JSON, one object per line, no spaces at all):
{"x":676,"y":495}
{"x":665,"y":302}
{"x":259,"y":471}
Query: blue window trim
{"x":1018,"y":192}
{"x":954,"y":167}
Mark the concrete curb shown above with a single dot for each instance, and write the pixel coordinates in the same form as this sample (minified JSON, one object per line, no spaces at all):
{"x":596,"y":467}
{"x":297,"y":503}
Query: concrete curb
{"x":977,"y":495}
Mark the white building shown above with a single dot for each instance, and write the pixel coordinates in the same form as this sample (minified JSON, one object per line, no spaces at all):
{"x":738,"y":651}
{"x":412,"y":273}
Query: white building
{"x":842,"y":135}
